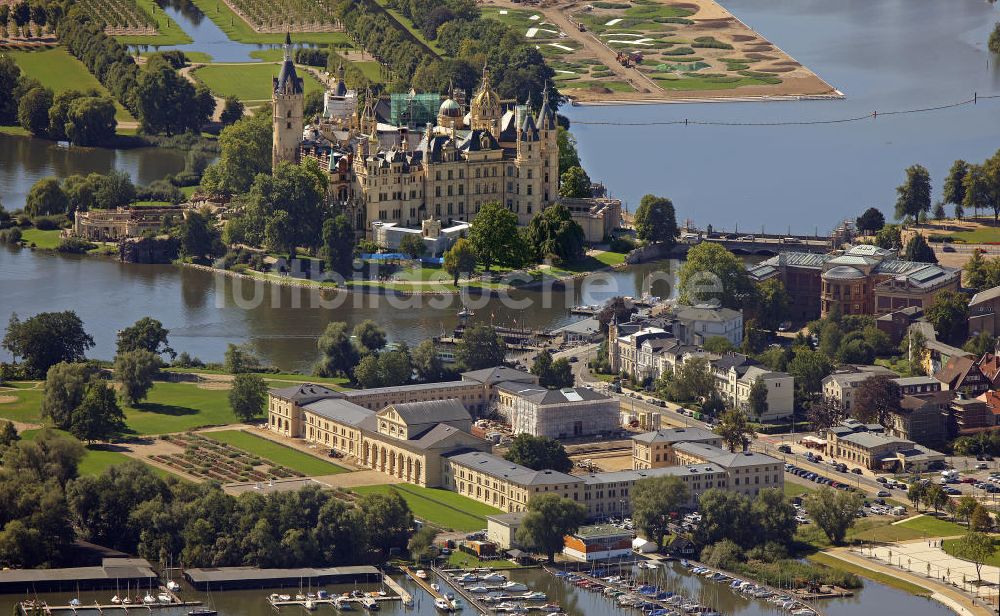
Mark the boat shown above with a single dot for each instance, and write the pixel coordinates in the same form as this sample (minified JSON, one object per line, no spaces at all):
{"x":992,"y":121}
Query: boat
{"x":343,"y":604}
{"x":514,"y":587}
{"x":457,"y":604}
{"x":74,"y":602}
{"x":116,"y":600}
{"x":442,"y":604}
{"x":436,"y":587}
{"x":164,"y":598}
{"x":550,"y":607}
{"x":149,"y":599}
{"x":309,"y":605}
{"x":368,"y":603}
{"x":420,"y":573}
{"x":284,"y":597}
{"x":465,"y":313}
{"x":202,"y":611}
{"x":478,"y":589}
{"x":322,"y":594}
{"x":173,"y":586}
{"x":465,"y":578}
{"x":535,"y":596}
{"x":494,"y":578}
{"x":300,"y":597}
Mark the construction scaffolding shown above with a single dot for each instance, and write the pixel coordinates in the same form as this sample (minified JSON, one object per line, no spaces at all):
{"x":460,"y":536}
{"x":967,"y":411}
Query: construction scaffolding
{"x":414,"y":110}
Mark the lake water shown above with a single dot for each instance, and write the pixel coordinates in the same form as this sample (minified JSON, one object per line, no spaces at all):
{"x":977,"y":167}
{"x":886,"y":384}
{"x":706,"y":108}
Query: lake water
{"x":575,"y":601}
{"x":205,"y":35}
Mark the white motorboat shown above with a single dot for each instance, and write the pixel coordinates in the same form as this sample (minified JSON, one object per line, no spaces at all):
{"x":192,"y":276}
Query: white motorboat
{"x":309,"y":605}
{"x":173,"y":586}
{"x":493,"y":578}
{"x":457,"y":604}
{"x":514,"y":587}
{"x":442,"y":605}
{"x":164,"y":598}
{"x":436,"y":587}
{"x":369,"y":604}
{"x":420,"y":573}
{"x":535,"y":596}
{"x":149,"y":599}
{"x":343,"y":604}
{"x":479,"y":590}
{"x":116,"y":600}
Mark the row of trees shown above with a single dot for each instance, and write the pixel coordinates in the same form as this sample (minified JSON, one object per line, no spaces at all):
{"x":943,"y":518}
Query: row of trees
{"x":968,"y":186}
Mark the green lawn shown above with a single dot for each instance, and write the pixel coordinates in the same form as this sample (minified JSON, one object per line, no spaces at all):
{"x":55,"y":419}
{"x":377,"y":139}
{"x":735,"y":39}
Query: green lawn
{"x":240,"y":31}
{"x":176,"y":407}
{"x":276,"y":452}
{"x":610,"y":258}
{"x":439,"y":507}
{"x":795,"y":489}
{"x":168,"y":32}
{"x":406,"y":23}
{"x":461,"y":560}
{"x":949,"y":546}
{"x":41,"y":239}
{"x":929,"y":526}
{"x":979,"y":235}
{"x":27,"y":407}
{"x":888,"y":580}
{"x":192,"y":56}
{"x":248,"y":82}
{"x":96,"y":460}
{"x":279,"y":379}
{"x":711,"y":83}
{"x":614,"y":86}
{"x":57,"y":69}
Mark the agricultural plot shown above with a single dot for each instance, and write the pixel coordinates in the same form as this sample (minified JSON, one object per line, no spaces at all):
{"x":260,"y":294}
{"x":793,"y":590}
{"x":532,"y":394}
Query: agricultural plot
{"x":286,"y":15}
{"x":120,"y":16}
{"x":207,"y":458}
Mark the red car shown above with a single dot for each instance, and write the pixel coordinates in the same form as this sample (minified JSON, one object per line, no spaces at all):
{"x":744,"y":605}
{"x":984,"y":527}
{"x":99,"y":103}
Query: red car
{"x":968,"y":480}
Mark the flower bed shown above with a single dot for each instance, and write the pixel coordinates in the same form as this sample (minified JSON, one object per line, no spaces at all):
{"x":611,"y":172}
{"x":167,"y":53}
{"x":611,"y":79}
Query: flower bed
{"x":213,"y":460}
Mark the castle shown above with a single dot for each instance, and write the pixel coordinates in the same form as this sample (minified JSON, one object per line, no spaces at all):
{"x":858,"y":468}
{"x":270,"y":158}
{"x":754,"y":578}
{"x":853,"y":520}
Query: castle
{"x":401,"y":174}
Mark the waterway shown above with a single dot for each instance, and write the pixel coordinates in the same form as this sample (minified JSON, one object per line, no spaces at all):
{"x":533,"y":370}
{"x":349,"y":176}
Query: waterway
{"x":205,"y":35}
{"x":575,"y":601}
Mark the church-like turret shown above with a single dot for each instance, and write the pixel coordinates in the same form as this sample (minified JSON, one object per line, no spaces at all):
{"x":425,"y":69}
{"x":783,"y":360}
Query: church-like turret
{"x":288,"y":100}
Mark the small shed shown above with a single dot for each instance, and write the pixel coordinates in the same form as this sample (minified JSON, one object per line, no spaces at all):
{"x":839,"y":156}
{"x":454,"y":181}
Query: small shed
{"x":644,"y":546}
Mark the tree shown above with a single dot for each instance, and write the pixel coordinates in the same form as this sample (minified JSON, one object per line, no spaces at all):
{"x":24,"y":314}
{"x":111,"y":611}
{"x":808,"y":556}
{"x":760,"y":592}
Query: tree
{"x":949,"y":313}
{"x":8,"y":434}
{"x":976,"y":192}
{"x":168,"y":103}
{"x":46,"y":339}
{"x":993,"y":43}
{"x":98,"y":418}
{"x":935,"y":497}
{"x":135,"y":371}
{"x":915,"y":492}
{"x":809,"y":369}
{"x":388,"y":519}
{"x":574,"y":183}
{"x":552,"y":232}
{"x":825,"y":413}
{"x":724,"y":515}
{"x":198,"y":238}
{"x":495,"y":238}
{"x":871,"y":221}
{"x":618,"y":308}
{"x":539,"y":453}
{"x":366,"y":373}
{"x":654,"y":500}
{"x":655,"y":221}
{"x":368,"y":337}
{"x":989,"y":184}
{"x":10,"y":76}
{"x":976,"y":548}
{"x":46,"y":198}
{"x":33,"y":111}
{"x":735,"y":430}
{"x":939,"y":213}
{"x":889,"y":237}
{"x":413,"y":245}
{"x":337,"y":354}
{"x":65,"y":386}
{"x":115,"y":190}
{"x":552,"y":374}
{"x":834,"y":511}
{"x":548,"y":520}
{"x":980,"y":344}
{"x":691,"y":381}
{"x":568,"y":156}
{"x":427,"y":362}
{"x":240,"y":359}
{"x":773,"y":516}
{"x":90,"y":121}
{"x":980,"y":520}
{"x":394,"y":367}
{"x":719,"y":345}
{"x":875,"y":399}
{"x":146,"y":334}
{"x":757,"y":398}
{"x":481,"y":347}
{"x":232,"y":111}
{"x":917,"y":249}
{"x":248,"y":396}
{"x":713,"y":273}
{"x":965,"y":506}
{"x":460,"y":259}
{"x":245,"y":152}
{"x":297,"y":190}
{"x":772,"y":305}
{"x":421,"y":545}
{"x":913,"y":196}
{"x":338,"y":244}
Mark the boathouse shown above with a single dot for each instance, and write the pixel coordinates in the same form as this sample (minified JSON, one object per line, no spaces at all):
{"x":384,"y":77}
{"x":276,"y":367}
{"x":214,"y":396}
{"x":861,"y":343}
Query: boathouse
{"x":111,"y":573}
{"x":231,"y":578}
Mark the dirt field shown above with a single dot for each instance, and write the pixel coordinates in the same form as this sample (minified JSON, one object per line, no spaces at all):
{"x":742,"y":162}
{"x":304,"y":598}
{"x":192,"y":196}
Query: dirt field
{"x":691,"y":50}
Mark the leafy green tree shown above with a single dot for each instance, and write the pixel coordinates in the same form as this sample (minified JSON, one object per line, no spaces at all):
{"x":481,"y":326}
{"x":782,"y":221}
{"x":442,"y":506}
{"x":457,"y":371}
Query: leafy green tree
{"x":989,"y":184}
{"x":368,"y":337}
{"x":773,"y":516}
{"x":495,"y":238}
{"x":713,"y":273}
{"x":809,"y":369}
{"x":690,"y":381}
{"x":735,"y":430}
{"x":976,"y":548}
{"x":655,"y":221}
{"x":935,"y":497}
{"x":135,"y":371}
{"x":46,"y":198}
{"x":98,"y":418}
{"x":146,"y":334}
{"x":834,"y":511}
{"x":8,"y":434}
{"x":949,"y":313}
{"x":240,"y":359}
{"x":994,"y":41}
{"x":10,"y":75}
{"x":338,"y":244}
{"x":655,"y":500}
{"x":568,"y":155}
{"x":65,"y":386}
{"x":199,"y":238}
{"x":421,"y":545}
{"x":427,"y":362}
{"x":248,"y":396}
{"x":33,"y":111}
{"x":539,"y":453}
{"x":773,"y":304}
{"x":871,"y":221}
{"x":981,"y":520}
{"x":394,"y":367}
{"x":825,"y":413}
{"x":90,"y":121}
{"x":549,"y":519}
{"x":297,"y":190}
{"x":481,"y":347}
{"x":913,"y":196}
{"x":232,"y":111}
{"x":980,"y":344}
{"x":939,"y":213}
{"x":917,"y":249}
{"x":552,"y":374}
{"x":245,"y":152}
{"x":115,"y":190}
{"x":875,"y":399}
{"x":413,"y":245}
{"x":167,"y":102}
{"x":553,"y":232}
{"x":757,"y":398}
{"x":976,"y":190}
{"x":460,"y":259}
{"x":724,"y":515}
{"x":366,"y":373}
{"x":889,"y":237}
{"x":719,"y":345}
{"x":46,"y":339}
{"x":388,"y":519}
{"x":337,"y":354}
{"x":574,"y":184}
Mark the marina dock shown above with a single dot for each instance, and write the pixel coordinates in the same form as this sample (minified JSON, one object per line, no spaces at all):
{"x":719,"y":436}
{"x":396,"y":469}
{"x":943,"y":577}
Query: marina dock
{"x":32,"y":607}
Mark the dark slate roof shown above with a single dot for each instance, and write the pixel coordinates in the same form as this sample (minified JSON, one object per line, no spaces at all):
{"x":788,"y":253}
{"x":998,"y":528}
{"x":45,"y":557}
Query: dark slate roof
{"x":305,"y":393}
{"x":474,"y":141}
{"x":435,"y":436}
{"x":529,"y":132}
{"x":542,"y":396}
{"x":497,"y":374}
{"x":500,"y":468}
{"x":288,"y":81}
{"x":432,"y":411}
{"x":340,"y":411}
{"x":676,"y":435}
{"x":733,"y":360}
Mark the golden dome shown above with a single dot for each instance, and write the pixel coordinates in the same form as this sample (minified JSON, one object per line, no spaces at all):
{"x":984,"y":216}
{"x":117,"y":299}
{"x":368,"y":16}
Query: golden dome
{"x":486,"y":101}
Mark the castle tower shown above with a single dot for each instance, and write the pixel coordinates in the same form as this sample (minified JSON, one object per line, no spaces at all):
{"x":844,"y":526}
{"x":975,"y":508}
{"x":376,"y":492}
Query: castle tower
{"x":287,"y":98}
{"x":485,"y":108}
{"x":613,"y":357}
{"x":549,"y":141}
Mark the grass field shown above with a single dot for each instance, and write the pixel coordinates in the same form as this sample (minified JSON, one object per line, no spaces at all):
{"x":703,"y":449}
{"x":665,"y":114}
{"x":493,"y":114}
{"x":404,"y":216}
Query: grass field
{"x":276,"y":452}
{"x":406,"y":23}
{"x":461,"y":560}
{"x":929,"y":526}
{"x":176,"y":407}
{"x":949,"y":546}
{"x":888,"y":580}
{"x":979,"y":235}
{"x":711,"y":83}
{"x":439,"y":507}
{"x":794,"y":489}
{"x":241,"y":32}
{"x":57,"y":69}
{"x":278,"y":378}
{"x":248,"y":82}
{"x":614,"y":86}
{"x":41,"y":239}
{"x":168,"y":32}
{"x":27,"y":406}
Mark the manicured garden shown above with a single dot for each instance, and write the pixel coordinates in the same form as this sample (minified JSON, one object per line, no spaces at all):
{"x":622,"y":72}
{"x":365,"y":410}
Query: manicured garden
{"x":138,"y":22}
{"x":212,"y":459}
{"x":276,"y":452}
{"x":439,"y":507}
{"x":248,"y":82}
{"x":56,"y":69}
{"x":237,"y":29}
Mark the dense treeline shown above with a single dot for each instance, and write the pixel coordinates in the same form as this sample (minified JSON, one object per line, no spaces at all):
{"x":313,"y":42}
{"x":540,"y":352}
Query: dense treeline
{"x":383,"y":37}
{"x":45,"y":506}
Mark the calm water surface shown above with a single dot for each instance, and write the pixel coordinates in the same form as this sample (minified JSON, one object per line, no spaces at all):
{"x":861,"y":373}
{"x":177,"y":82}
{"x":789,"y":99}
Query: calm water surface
{"x":873,"y":599}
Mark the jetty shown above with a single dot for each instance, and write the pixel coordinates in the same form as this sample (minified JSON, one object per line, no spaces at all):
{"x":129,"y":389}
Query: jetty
{"x":34,"y":606}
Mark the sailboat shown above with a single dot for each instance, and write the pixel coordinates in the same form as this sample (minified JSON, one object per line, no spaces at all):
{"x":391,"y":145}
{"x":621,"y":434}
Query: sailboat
{"x":205,"y":610}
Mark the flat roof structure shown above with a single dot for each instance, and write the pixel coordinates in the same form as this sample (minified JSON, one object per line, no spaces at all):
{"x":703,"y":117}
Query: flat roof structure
{"x":255,"y":577}
{"x":110,"y":572}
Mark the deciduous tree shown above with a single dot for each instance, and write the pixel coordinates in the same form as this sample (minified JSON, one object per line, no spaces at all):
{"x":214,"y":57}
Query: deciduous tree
{"x":135,"y":371}
{"x":146,"y":334}
{"x":98,"y":418}
{"x":549,"y":519}
{"x":248,"y":396}
{"x":460,"y":259}
{"x":654,"y":500}
{"x":338,"y":245}
{"x":538,"y":453}
{"x":834,"y":511}
{"x":656,"y":221}
{"x":337,"y":354}
{"x":949,"y":313}
{"x":46,"y":198}
{"x":917,"y":249}
{"x":46,"y":339}
{"x":481,"y":347}
{"x":913,"y":196}
{"x":871,"y":221}
{"x":574,"y":183}
{"x":713,"y":273}
{"x":735,"y":430}
{"x":65,"y":385}
{"x":495,"y":237}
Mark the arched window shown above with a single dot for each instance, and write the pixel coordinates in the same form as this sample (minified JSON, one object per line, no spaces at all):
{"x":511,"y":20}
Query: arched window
{"x":288,"y":114}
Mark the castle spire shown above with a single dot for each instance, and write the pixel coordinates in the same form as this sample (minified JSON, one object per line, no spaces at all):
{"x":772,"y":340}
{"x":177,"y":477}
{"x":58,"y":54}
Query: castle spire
{"x":288,"y":47}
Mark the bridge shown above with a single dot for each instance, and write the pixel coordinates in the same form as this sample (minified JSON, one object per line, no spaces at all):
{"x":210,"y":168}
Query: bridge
{"x":768,"y":245}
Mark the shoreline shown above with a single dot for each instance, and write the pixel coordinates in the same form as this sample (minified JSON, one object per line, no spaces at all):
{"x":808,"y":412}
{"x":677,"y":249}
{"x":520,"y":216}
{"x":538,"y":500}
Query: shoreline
{"x":759,"y":98}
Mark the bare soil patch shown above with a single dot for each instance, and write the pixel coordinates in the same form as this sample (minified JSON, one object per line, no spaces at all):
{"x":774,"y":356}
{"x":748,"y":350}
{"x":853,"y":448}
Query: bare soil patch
{"x":778,"y":69}
{"x":759,"y":48}
{"x":216,"y":385}
{"x":8,"y":399}
{"x":743,"y":38}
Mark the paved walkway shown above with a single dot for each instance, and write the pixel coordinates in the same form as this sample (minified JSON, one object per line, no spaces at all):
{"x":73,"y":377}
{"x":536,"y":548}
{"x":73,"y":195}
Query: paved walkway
{"x":942,"y":592}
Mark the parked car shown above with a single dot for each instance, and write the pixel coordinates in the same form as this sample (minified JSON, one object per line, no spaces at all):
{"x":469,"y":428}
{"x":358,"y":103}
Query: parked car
{"x":784,"y":449}
{"x":883,"y":494}
{"x":857,"y":471}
